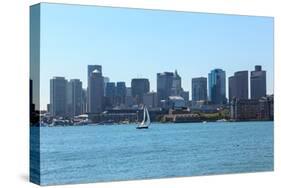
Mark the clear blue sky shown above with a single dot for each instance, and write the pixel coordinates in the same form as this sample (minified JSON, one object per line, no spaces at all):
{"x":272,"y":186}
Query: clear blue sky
{"x":132,"y":43}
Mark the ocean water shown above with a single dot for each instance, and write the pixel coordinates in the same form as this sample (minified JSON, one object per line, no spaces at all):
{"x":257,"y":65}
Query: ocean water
{"x":121,"y":152}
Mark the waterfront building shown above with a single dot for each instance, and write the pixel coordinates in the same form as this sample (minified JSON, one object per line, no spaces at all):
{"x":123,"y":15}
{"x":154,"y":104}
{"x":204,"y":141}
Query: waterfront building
{"x":199,"y":89}
{"x":266,"y":108}
{"x":164,"y":85}
{"x":140,"y":86}
{"x":252,"y":109}
{"x":238,"y":85}
{"x":74,"y":97}
{"x":96,"y":91}
{"x":58,"y":97}
{"x":150,"y":100}
{"x":120,"y":93}
{"x":258,"y":83}
{"x":217,"y":86}
{"x":176,"y":102}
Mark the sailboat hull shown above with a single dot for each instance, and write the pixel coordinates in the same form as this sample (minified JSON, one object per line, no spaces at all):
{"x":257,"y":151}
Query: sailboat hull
{"x":141,"y":127}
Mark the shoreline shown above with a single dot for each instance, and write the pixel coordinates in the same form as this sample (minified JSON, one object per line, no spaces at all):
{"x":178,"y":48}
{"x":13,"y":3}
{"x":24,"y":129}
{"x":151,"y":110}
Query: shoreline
{"x":158,"y":123}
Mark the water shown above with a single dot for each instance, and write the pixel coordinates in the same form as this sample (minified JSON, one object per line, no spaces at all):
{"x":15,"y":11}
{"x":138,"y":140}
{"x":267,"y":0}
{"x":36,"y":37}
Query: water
{"x":121,"y":152}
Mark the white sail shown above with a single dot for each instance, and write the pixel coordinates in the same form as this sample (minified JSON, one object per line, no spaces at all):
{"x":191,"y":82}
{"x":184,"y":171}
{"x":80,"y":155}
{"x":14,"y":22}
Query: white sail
{"x":144,"y":113}
{"x":146,"y":119}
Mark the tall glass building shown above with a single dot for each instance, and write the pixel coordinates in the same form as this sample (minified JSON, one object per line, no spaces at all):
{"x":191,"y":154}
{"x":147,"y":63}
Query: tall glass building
{"x":258,"y":83}
{"x":199,"y":89}
{"x":140,"y":86}
{"x":96,"y":92}
{"x":58,"y":96}
{"x":238,"y":85}
{"x":217,"y":86}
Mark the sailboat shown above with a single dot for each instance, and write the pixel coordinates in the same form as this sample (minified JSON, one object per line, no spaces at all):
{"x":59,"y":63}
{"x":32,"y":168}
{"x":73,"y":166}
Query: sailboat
{"x":146,"y":120}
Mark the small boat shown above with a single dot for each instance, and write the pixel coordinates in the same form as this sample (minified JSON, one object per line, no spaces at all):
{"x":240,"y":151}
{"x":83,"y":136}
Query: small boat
{"x":221,"y":120}
{"x":204,"y":122}
{"x":146,"y":120}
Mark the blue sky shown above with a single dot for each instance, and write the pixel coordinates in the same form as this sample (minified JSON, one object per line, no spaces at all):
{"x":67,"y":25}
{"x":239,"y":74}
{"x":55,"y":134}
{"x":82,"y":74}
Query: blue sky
{"x":134,"y":43}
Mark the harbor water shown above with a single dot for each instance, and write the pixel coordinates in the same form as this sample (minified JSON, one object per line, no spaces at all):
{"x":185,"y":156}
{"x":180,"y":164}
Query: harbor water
{"x":83,"y":154}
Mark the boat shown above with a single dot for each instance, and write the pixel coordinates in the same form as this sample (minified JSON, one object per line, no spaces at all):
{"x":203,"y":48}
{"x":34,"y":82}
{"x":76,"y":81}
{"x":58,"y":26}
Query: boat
{"x":221,"y":120}
{"x":146,"y":120}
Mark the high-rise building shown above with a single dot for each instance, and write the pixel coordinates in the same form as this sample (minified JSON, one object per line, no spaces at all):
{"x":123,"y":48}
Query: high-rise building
{"x":258,"y":83}
{"x":199,"y":89}
{"x":74,"y":97}
{"x":217,"y":86}
{"x":185,"y":96}
{"x":238,"y":85}
{"x":96,"y":91}
{"x":110,"y":93}
{"x":150,"y":100}
{"x":84,"y":101}
{"x":164,"y":85}
{"x":105,"y":81}
{"x":129,"y":102}
{"x":120,"y":93}
{"x":91,"y":68}
{"x":139,"y":86}
{"x":176,"y":84}
{"x":58,"y":97}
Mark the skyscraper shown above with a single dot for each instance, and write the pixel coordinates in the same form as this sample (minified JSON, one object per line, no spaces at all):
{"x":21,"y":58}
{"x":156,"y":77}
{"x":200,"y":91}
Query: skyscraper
{"x":164,"y":85}
{"x":84,"y":101}
{"x":74,"y":97}
{"x":258,"y":83}
{"x":217,"y":86}
{"x":110,"y":93}
{"x":139,"y":86}
{"x":238,"y":85}
{"x":199,"y":89}
{"x":176,"y":85}
{"x":91,"y":68}
{"x":58,"y":96}
{"x":105,"y":81}
{"x":120,"y":93}
{"x":150,"y":100}
{"x":96,"y":91}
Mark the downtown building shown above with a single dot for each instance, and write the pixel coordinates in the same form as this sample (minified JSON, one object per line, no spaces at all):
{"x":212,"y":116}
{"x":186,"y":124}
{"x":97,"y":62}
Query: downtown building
{"x":252,"y":109}
{"x":150,"y":100}
{"x":258,"y":83}
{"x":95,"y":89}
{"x":120,"y":93}
{"x":164,"y":85}
{"x":110,"y":93}
{"x":199,"y":89}
{"x":176,"y":84}
{"x":74,"y":98}
{"x":58,"y":97}
{"x":238,"y":85}
{"x":217,"y":87}
{"x":139,"y":86}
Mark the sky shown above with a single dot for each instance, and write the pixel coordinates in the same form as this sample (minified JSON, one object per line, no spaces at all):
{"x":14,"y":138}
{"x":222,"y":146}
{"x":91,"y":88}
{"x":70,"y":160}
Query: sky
{"x":138,"y":43}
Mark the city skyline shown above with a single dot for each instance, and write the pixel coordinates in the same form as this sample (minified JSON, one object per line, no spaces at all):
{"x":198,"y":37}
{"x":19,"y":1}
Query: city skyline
{"x":169,"y":85}
{"x":142,"y":50}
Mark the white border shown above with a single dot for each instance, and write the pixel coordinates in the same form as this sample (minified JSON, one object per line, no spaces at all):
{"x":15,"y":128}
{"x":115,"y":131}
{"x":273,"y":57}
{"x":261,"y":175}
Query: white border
{"x":14,"y":59}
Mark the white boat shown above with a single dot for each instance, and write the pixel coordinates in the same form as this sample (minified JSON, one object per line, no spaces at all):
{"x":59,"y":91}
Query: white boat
{"x":146,"y":120}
